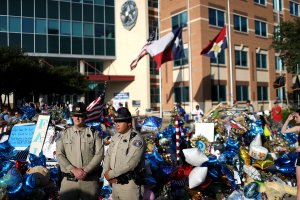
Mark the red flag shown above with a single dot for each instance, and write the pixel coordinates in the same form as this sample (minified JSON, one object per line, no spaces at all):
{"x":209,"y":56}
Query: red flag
{"x":140,"y":56}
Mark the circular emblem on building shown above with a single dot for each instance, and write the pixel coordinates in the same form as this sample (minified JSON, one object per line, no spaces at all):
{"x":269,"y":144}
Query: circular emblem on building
{"x":129,"y":14}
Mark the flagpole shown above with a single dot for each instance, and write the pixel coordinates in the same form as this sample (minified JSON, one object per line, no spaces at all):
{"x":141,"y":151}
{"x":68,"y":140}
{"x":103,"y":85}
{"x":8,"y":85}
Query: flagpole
{"x":230,"y":55}
{"x":160,"y":73}
{"x":190,"y":59}
{"x":278,"y":21}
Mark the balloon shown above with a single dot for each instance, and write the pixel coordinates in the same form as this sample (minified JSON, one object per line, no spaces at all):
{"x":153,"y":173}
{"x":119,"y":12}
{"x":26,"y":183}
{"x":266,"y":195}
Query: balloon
{"x":258,"y":152}
{"x":263,"y":164}
{"x":15,"y":188}
{"x":252,"y":172}
{"x":151,"y":124}
{"x":251,"y":190}
{"x":194,"y":157}
{"x":21,"y":166}
{"x":232,"y":144}
{"x":197,"y":176}
{"x":12,"y":178}
{"x":37,"y":160}
{"x":257,"y":141}
{"x":236,"y":195}
{"x":288,"y":170}
{"x":244,"y":155}
{"x":30,"y":181}
{"x":148,"y":194}
{"x":181,"y":172}
{"x":229,"y":175}
{"x":106,"y":190}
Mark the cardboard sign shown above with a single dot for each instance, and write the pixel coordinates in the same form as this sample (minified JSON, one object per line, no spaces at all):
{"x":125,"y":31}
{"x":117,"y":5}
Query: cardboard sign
{"x":206,"y":130}
{"x":39,"y":135}
{"x":21,"y":135}
{"x":50,"y":145}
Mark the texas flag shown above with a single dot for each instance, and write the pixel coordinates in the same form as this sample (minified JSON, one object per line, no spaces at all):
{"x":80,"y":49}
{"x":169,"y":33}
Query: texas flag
{"x":216,"y":45}
{"x":167,"y":48}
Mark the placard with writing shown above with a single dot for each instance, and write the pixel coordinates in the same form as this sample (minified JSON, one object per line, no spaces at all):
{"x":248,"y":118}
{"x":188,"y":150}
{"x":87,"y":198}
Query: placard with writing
{"x":21,"y":135}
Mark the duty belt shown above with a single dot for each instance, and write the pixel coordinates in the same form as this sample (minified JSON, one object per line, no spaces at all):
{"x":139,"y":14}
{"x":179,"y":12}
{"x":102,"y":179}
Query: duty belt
{"x":69,"y":176}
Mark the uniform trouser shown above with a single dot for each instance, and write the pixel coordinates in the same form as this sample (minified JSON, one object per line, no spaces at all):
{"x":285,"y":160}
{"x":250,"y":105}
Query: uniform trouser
{"x":85,"y":190}
{"x":127,"y":191}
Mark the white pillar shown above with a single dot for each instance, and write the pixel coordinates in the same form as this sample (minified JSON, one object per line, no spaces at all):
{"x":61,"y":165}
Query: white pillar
{"x":82,"y":71}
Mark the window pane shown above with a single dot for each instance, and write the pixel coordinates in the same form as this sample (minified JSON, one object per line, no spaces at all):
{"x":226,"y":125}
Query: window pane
{"x":99,"y":2}
{"x":77,"y":29}
{"x":99,"y":30}
{"x":76,"y":45}
{"x":183,"y":19}
{"x":212,"y":16}
{"x":99,"y":14}
{"x":52,"y":9}
{"x":263,"y":29}
{"x":109,"y":15}
{"x":222,"y":93}
{"x":110,"y":31}
{"x":77,"y":11}
{"x":40,"y":44}
{"x":88,"y":1}
{"x":40,"y":26}
{"x":88,"y":46}
{"x":88,"y":29}
{"x":3,"y":23}
{"x":14,"y":7}
{"x":257,"y":28}
{"x":177,"y":94}
{"x":53,"y":44}
{"x":236,"y":22}
{"x":15,"y":40}
{"x":110,"y":47}
{"x":28,"y":42}
{"x":99,"y":46}
{"x":237,"y":57}
{"x":27,"y":8}
{"x":40,"y":10}
{"x":3,"y":7}
{"x":244,"y":24}
{"x":175,"y":22}
{"x":88,"y":13}
{"x":27,"y":25}
{"x":3,"y":39}
{"x":185,"y":93}
{"x":65,"y":45}
{"x":244,"y":58}
{"x":14,"y":24}
{"x":65,"y":28}
{"x":65,"y":10}
{"x":109,"y":2}
{"x":53,"y":27}
{"x":221,"y":19}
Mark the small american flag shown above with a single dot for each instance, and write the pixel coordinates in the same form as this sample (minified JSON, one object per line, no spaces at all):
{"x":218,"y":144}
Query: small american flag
{"x":95,"y":108}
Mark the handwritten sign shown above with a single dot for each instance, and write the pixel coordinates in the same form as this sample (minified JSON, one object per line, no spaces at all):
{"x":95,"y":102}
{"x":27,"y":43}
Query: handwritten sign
{"x":21,"y":135}
{"x":206,"y":130}
{"x":39,"y":135}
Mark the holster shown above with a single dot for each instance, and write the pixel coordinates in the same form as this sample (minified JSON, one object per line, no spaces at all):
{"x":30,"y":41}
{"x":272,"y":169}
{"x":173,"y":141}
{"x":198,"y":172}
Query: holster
{"x":69,"y":176}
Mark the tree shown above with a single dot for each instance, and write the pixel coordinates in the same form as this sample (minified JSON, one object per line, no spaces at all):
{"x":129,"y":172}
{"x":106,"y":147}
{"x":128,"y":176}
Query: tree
{"x":286,"y":41}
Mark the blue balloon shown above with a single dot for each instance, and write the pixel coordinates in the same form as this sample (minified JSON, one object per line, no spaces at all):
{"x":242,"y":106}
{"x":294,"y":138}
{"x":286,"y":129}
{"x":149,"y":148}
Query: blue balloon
{"x":150,"y":181}
{"x":251,"y":190}
{"x":30,"y":181}
{"x":288,"y":170}
{"x":201,"y":145}
{"x":232,"y":144}
{"x":106,"y":190}
{"x":14,"y":189}
{"x":37,"y":160}
{"x":167,"y":169}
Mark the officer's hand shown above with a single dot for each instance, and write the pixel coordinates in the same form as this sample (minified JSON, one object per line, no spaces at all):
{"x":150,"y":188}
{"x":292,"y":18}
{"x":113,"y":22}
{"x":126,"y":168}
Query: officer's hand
{"x":114,"y":180}
{"x":106,"y":175}
{"x":78,"y":173}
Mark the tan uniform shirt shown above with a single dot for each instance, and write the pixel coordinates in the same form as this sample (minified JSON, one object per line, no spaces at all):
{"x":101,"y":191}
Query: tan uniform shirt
{"x":79,"y":148}
{"x":127,"y":155}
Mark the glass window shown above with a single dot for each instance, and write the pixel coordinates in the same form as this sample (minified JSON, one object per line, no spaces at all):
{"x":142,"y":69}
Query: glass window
{"x":218,"y":93}
{"x":153,"y":3}
{"x":276,"y":6}
{"x":261,"y":2}
{"x":65,"y":10}
{"x":53,"y":44}
{"x":77,"y":28}
{"x":99,"y":30}
{"x":294,"y":8}
{"x":88,"y":46}
{"x":109,"y":15}
{"x":99,"y":2}
{"x":15,"y":40}
{"x":77,"y":11}
{"x":65,"y":44}
{"x":262,"y":93}
{"x":260,"y":28}
{"x":110,"y":31}
{"x":3,"y":39}
{"x":216,"y":17}
{"x":28,"y":42}
{"x":27,"y":25}
{"x":280,"y":93}
{"x":14,"y":24}
{"x":183,"y":61}
{"x":261,"y":61}
{"x":154,"y":94}
{"x":88,"y":29}
{"x":40,"y":10}
{"x":241,"y":58}
{"x":52,"y":9}
{"x":40,"y":26}
{"x":40,"y":44}
{"x":3,"y":7}
{"x":240,"y":23}
{"x":3,"y":23}
{"x":242,"y":93}
{"x":88,"y":1}
{"x":65,"y":27}
{"x":99,"y":14}
{"x":53,"y":27}
{"x":221,"y":58}
{"x":181,"y":94}
{"x":278,"y":64}
{"x":110,"y":47}
{"x":179,"y":20}
{"x":153,"y":65}
{"x":27,"y":8}
{"x":110,"y":2}
{"x":99,"y":46}
{"x":14,"y":7}
{"x":88,"y":13}
{"x":76,"y":45}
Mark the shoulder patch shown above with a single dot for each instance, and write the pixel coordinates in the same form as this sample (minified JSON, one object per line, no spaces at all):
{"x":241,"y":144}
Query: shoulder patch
{"x":137,"y":143}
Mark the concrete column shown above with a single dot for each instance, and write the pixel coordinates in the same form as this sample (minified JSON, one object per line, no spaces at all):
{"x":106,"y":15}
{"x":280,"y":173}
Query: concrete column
{"x":82,"y":70}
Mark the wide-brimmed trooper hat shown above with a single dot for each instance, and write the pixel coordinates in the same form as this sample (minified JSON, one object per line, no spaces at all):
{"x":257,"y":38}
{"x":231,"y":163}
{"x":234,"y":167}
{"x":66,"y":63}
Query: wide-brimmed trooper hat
{"x":123,"y":114}
{"x":79,"y":109}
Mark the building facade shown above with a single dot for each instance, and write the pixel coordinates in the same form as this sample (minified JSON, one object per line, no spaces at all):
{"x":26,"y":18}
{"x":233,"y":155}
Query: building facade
{"x":198,"y":79}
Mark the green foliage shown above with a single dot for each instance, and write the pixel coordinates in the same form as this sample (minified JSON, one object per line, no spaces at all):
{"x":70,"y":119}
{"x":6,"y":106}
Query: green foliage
{"x":287,"y":42}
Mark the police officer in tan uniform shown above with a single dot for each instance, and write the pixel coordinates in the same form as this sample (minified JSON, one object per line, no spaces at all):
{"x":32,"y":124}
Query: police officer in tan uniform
{"x":79,"y":154}
{"x":124,"y":157}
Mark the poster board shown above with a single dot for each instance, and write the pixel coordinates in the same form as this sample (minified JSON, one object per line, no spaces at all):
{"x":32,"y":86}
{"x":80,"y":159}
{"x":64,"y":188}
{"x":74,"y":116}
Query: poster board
{"x":21,"y":135}
{"x":206,"y":130}
{"x":49,"y":146}
{"x":39,"y":135}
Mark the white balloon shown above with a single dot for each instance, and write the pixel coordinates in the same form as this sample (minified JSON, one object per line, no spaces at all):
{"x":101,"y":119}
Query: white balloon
{"x":197,"y":176}
{"x":256,"y":141}
{"x":258,"y":152}
{"x":194,"y":157}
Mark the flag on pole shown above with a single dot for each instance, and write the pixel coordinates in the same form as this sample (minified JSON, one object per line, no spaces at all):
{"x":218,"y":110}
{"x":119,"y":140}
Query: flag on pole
{"x":167,"y":48}
{"x":279,"y":82}
{"x":216,"y":45}
{"x":95,"y":108}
